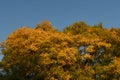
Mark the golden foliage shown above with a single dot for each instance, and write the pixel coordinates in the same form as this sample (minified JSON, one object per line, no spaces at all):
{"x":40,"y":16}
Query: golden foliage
{"x":47,"y":54}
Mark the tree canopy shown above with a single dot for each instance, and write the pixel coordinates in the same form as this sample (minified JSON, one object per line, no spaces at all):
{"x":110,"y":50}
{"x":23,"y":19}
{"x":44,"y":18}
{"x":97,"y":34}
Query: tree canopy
{"x":78,"y":52}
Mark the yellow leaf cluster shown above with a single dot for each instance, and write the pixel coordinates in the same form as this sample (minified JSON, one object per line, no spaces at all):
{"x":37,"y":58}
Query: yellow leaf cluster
{"x":90,"y":49}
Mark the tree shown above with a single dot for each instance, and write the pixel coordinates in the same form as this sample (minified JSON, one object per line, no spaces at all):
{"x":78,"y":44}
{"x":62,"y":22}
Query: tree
{"x":79,"y":52}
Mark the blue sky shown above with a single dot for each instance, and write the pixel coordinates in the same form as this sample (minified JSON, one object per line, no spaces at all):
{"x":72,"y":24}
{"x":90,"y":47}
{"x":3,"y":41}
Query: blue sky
{"x":61,"y":13}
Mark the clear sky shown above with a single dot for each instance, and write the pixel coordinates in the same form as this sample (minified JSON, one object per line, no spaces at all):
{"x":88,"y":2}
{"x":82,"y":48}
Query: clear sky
{"x":61,"y":13}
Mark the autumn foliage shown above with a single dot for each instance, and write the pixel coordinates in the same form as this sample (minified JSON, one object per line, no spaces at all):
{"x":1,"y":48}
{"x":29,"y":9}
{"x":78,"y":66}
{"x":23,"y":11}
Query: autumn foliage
{"x":79,"y":52}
